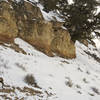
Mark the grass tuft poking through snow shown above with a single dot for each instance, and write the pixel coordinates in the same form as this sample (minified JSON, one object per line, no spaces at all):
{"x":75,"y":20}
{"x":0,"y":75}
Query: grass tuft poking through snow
{"x":51,"y":78}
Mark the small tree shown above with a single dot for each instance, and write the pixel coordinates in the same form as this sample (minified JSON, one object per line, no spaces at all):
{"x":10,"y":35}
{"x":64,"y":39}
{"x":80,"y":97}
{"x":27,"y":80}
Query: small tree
{"x":81,"y":19}
{"x":80,"y":16}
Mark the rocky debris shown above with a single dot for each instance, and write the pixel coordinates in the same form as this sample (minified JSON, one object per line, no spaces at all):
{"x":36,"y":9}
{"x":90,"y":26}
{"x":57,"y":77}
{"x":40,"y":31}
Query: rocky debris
{"x":14,"y":47}
{"x":25,"y":20}
{"x":9,"y":93}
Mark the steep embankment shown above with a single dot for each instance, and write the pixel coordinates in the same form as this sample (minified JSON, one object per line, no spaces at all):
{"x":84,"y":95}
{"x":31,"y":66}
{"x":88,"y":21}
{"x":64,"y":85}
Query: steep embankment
{"x":54,"y":78}
{"x":25,"y":20}
{"x":31,"y":75}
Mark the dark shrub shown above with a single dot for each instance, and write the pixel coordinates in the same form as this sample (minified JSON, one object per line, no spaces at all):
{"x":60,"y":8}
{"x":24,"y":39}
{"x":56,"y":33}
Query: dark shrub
{"x":30,"y":80}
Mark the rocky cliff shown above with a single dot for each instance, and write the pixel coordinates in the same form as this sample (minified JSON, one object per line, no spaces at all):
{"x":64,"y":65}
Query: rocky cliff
{"x":26,"y":21}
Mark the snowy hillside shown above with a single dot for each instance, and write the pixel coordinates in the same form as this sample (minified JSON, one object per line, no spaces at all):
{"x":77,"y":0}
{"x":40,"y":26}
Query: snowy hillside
{"x":54,"y":78}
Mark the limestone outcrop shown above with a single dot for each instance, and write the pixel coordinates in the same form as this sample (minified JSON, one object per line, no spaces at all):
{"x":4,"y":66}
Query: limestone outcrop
{"x":26,"y":21}
{"x":8,"y":26}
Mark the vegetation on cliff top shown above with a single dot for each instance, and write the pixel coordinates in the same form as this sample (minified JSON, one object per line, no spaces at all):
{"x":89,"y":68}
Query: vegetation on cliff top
{"x":81,"y":17}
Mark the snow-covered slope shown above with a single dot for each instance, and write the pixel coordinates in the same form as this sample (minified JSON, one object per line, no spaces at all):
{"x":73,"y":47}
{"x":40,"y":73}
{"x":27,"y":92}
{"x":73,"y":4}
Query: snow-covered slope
{"x":55,"y":78}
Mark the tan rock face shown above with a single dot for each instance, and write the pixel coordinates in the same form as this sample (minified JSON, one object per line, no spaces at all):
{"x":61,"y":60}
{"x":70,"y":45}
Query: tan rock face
{"x":41,"y":36}
{"x":62,"y":44}
{"x":26,"y":21}
{"x":8,"y":27}
{"x":33,"y":11}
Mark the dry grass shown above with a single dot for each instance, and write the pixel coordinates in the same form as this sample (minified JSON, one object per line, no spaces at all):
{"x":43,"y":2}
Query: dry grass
{"x":85,"y":81}
{"x":93,"y":56}
{"x":5,"y":97}
{"x":13,"y":46}
{"x":29,"y":91}
{"x":20,"y":66}
{"x":7,"y":90}
{"x":69,"y":82}
{"x":95,"y":90}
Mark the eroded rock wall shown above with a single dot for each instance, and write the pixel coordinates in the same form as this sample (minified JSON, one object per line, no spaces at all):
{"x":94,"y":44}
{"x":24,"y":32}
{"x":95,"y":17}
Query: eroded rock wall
{"x":8,"y":27}
{"x":26,"y":21}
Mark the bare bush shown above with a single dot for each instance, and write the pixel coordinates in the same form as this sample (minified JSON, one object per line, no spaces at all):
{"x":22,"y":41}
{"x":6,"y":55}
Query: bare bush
{"x":29,"y":79}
